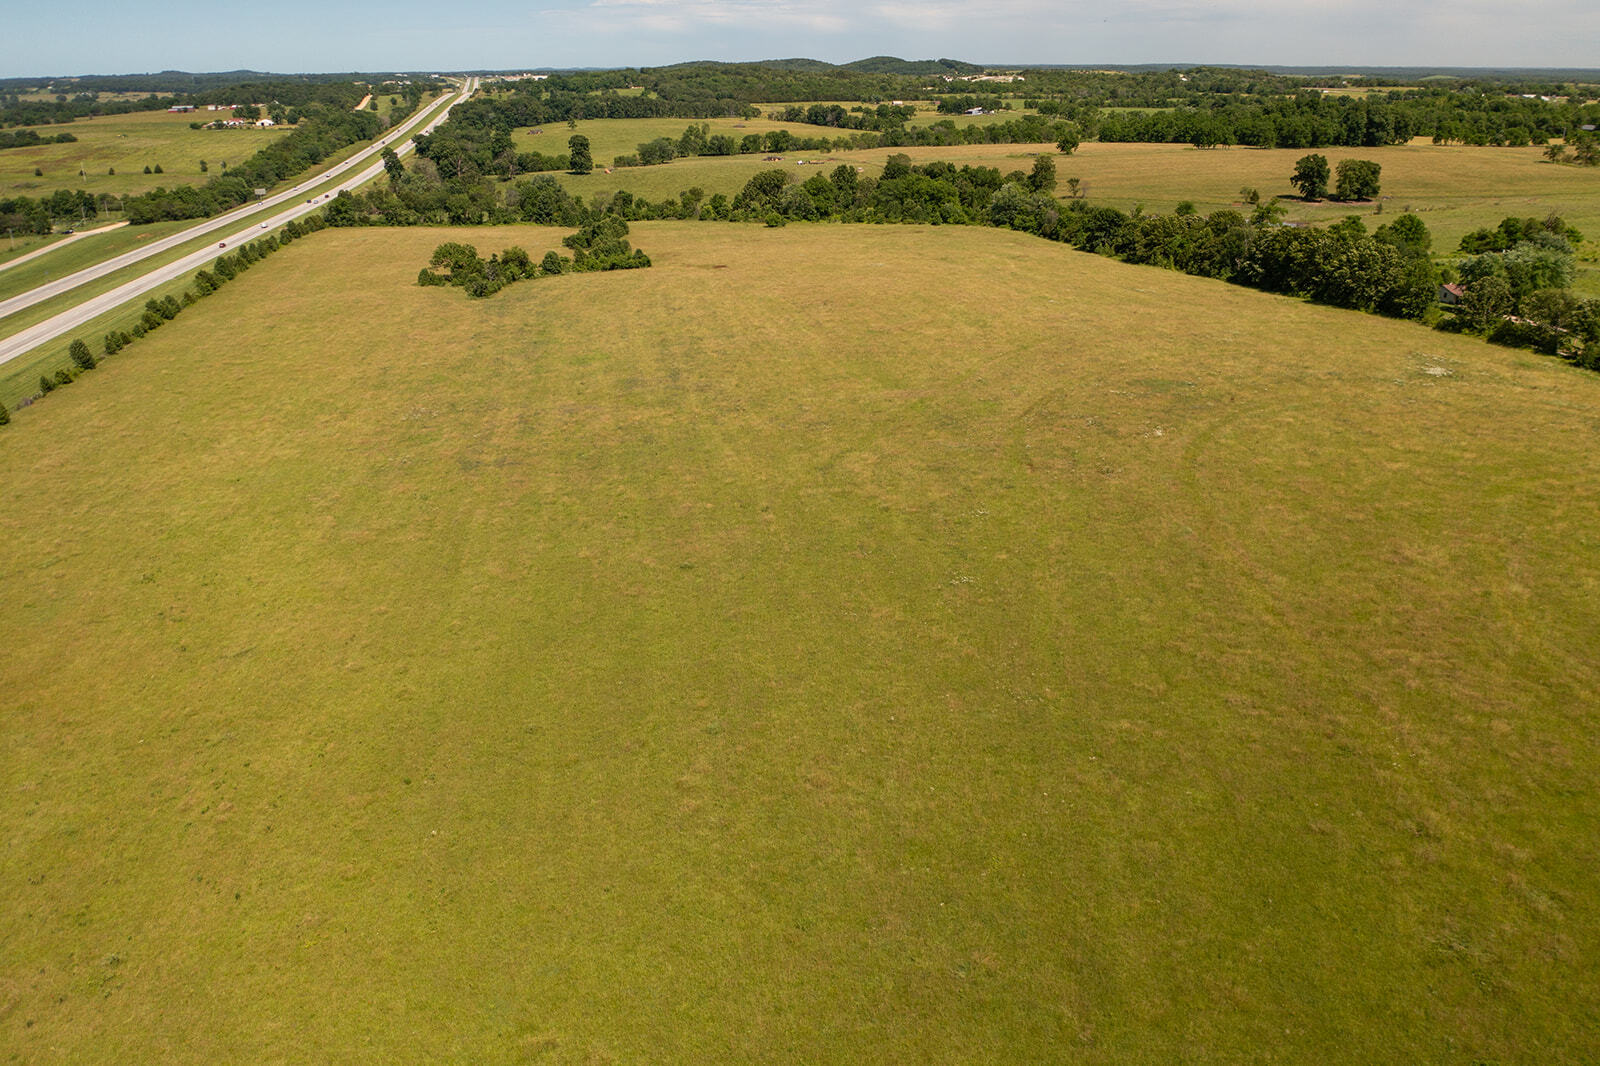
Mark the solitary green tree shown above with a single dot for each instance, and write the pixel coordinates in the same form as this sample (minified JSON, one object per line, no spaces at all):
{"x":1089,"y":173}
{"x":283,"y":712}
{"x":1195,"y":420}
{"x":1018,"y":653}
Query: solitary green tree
{"x":581,"y":162}
{"x":5,"y":416}
{"x":1069,"y":139}
{"x":81,"y":355}
{"x":1407,"y":233}
{"x":392,"y":164}
{"x":1043,"y":178}
{"x":1357,"y":180}
{"x":1310,"y":176}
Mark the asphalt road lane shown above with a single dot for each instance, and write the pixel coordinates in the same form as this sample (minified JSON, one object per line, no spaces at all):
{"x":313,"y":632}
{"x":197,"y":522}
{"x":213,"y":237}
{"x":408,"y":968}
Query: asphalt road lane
{"x":230,"y":227}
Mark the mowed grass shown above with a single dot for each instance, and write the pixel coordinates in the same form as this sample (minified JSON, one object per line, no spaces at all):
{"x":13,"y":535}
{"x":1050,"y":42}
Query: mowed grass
{"x":128,"y":144}
{"x":880,"y":644}
{"x":71,"y":258}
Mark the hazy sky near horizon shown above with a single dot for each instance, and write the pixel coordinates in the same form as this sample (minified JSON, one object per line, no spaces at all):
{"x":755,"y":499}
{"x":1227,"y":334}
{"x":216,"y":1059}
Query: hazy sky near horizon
{"x":296,"y":35}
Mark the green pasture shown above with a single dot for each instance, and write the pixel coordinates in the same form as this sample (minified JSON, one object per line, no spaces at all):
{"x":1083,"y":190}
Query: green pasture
{"x":17,"y":245}
{"x":930,"y":116}
{"x":611,"y":137}
{"x":714,"y":174}
{"x":103,"y":97}
{"x":832,"y":644}
{"x":128,"y":144}
{"x":1454,"y":189}
{"x":19,"y":378}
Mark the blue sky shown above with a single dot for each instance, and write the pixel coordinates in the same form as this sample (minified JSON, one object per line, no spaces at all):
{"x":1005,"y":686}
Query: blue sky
{"x":297,"y":35}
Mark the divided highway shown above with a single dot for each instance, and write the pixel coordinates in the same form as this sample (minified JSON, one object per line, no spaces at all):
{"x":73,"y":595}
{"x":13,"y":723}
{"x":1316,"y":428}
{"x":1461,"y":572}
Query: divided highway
{"x":241,"y":224}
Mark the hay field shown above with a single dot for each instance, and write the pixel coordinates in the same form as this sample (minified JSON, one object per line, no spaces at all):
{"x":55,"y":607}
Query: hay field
{"x":884,"y":644}
{"x":128,"y":144}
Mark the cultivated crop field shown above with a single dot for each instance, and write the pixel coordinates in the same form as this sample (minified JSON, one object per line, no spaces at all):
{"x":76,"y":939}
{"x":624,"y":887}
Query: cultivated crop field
{"x":128,"y":144}
{"x":877,"y":644}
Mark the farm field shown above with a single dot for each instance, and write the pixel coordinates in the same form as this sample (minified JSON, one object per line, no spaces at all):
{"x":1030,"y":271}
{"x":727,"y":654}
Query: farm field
{"x":927,"y":115}
{"x":780,"y":655}
{"x":611,"y":137}
{"x":128,"y":144}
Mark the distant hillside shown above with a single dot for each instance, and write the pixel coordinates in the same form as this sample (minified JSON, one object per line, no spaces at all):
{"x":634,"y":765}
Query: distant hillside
{"x":796,"y":64}
{"x":893,"y":65}
{"x":1579,"y":74}
{"x":875,"y":65}
{"x":170,"y":81}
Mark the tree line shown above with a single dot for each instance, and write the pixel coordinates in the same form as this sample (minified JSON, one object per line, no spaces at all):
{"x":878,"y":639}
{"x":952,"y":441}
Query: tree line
{"x":159,"y":311}
{"x":29,"y":138}
{"x":24,"y":214}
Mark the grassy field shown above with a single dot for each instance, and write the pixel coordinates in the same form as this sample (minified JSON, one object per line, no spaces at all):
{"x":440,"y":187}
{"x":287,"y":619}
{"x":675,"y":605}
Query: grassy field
{"x":929,"y":116}
{"x":611,"y":137}
{"x":82,"y":253}
{"x":791,"y":654}
{"x":18,"y":245}
{"x":128,"y":144}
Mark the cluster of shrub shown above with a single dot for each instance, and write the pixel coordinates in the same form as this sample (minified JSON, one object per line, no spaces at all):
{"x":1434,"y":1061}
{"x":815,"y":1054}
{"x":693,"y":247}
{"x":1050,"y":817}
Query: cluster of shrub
{"x":29,"y":138}
{"x":24,"y":214}
{"x":865,"y":117}
{"x":600,"y":245}
{"x":1515,"y":286}
{"x":1584,"y":147}
{"x":83,"y":361}
{"x":323,"y":132}
{"x":159,"y":312}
